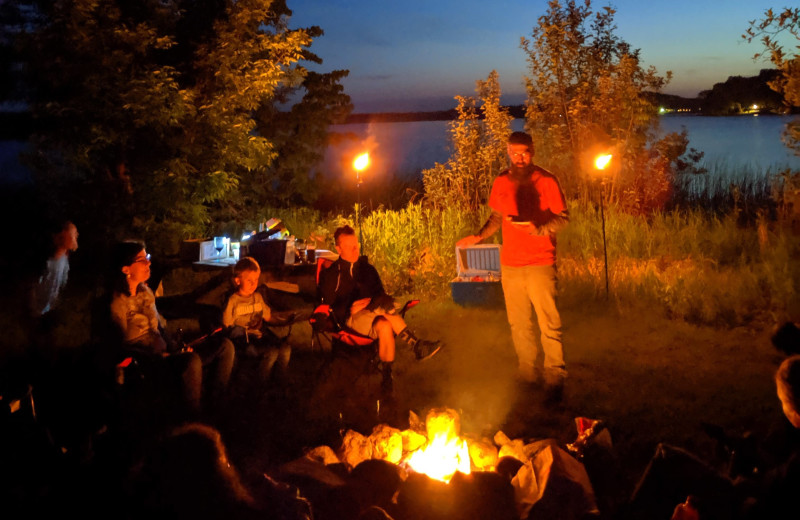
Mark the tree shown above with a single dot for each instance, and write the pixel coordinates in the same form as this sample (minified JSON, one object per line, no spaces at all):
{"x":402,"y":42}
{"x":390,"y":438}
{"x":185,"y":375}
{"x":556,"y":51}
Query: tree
{"x":146,"y":108}
{"x":478,"y":137}
{"x":300,"y":137}
{"x":769,"y":30}
{"x":737,"y":95}
{"x":296,"y":122}
{"x":587,"y":92}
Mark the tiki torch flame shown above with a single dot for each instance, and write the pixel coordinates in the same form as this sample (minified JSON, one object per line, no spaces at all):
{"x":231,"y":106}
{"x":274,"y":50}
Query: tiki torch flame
{"x":361,"y":162}
{"x":602,"y":161}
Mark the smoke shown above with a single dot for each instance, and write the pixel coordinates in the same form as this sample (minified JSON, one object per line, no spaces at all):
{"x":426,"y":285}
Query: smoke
{"x":474,"y":373}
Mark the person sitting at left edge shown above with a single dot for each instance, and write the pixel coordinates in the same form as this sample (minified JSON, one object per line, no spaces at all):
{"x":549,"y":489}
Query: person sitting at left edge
{"x":355,"y":293}
{"x":133,"y":310}
{"x":45,"y":293}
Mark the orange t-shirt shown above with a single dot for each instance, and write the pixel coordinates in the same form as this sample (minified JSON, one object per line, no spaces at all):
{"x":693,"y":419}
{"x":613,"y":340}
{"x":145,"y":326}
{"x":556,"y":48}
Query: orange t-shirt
{"x":535,"y":202}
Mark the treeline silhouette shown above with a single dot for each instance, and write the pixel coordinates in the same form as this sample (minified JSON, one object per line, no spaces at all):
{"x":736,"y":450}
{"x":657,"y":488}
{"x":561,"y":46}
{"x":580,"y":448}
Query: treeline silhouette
{"x":734,"y":96}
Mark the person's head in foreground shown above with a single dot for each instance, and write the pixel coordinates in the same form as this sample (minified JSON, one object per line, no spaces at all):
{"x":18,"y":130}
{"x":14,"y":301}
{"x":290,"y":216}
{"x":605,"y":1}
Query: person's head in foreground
{"x":787,"y":380}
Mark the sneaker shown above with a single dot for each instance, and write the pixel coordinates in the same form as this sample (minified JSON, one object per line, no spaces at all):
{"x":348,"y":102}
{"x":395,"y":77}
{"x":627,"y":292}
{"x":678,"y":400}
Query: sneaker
{"x":426,"y":349}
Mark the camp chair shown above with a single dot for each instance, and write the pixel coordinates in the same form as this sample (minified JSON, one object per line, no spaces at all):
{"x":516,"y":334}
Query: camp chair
{"x":339,"y":341}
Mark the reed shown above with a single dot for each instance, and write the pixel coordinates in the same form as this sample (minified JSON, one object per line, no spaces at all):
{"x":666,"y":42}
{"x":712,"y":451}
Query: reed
{"x":742,"y":188}
{"x":697,"y":263}
{"x":414,"y":248}
{"x":695,"y":266}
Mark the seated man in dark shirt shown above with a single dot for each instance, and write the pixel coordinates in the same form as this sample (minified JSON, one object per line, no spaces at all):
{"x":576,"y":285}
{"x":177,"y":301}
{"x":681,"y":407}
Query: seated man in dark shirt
{"x":353,"y":289}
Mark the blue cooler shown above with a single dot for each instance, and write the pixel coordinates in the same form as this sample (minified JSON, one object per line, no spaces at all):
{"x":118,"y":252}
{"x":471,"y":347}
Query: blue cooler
{"x":478,"y":261}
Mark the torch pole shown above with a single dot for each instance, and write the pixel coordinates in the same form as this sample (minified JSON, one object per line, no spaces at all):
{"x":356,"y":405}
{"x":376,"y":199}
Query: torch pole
{"x":603,"y":223}
{"x":358,"y":206}
{"x":360,"y":163}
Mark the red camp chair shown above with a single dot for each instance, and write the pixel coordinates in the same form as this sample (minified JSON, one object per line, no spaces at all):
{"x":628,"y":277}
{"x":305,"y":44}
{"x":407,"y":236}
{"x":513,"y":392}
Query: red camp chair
{"x":337,"y":339}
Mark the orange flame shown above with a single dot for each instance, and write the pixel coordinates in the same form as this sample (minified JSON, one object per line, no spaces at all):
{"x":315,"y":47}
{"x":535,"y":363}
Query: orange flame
{"x":361,"y":162}
{"x":602,"y":161}
{"x":444,"y":454}
{"x":441,"y":458}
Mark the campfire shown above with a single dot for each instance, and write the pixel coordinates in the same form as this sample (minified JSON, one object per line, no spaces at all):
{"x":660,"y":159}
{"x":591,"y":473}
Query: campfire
{"x":445,"y":452}
{"x":433,"y":447}
{"x":436,"y":451}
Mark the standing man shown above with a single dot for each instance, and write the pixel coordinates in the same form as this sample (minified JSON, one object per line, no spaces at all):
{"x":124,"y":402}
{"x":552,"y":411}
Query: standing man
{"x":528,"y":204}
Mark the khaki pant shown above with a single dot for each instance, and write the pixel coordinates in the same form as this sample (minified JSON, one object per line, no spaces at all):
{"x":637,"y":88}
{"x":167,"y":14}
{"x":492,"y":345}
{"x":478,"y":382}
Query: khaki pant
{"x":528,"y":290}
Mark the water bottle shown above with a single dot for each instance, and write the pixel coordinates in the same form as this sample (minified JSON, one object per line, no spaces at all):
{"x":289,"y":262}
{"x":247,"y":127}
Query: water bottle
{"x":290,"y":251}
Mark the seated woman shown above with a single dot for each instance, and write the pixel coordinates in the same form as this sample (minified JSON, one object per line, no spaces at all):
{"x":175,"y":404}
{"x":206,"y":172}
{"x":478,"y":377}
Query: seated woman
{"x":141,"y":329}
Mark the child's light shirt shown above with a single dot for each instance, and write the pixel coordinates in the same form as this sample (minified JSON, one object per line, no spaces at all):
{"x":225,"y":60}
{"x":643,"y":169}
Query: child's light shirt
{"x":248,"y":312}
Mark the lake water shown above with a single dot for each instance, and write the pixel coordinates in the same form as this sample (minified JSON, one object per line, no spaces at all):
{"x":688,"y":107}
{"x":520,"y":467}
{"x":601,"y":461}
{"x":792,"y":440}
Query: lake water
{"x":734,"y":144}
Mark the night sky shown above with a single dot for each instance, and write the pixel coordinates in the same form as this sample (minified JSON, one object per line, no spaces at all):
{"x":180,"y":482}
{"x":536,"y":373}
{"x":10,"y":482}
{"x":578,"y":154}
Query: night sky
{"x":418,"y":54}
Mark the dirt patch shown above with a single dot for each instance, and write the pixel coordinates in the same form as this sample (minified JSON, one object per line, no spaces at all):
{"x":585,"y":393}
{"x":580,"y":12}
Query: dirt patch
{"x":651,"y":379}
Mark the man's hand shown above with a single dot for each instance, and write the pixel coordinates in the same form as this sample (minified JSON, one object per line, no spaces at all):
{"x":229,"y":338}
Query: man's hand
{"x":359,"y":305}
{"x":467,"y":241}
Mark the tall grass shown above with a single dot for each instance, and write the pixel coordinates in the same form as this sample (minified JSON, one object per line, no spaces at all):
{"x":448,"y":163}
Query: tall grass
{"x":414,"y":248}
{"x":694,"y":264}
{"x":745,"y":189}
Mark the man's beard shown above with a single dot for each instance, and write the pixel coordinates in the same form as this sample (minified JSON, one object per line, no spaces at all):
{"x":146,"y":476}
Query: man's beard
{"x":519,"y":171}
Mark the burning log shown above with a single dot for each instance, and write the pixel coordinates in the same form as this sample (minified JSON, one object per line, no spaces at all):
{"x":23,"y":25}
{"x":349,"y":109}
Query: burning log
{"x":387,"y":443}
{"x":510,"y":448}
{"x":483,"y":454}
{"x":355,"y":448}
{"x":412,"y":440}
{"x":443,"y":421}
{"x":430,"y":466}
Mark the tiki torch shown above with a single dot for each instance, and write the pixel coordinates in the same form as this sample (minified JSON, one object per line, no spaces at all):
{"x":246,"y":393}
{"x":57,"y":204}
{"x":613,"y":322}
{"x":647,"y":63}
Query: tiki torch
{"x":359,"y":165}
{"x":601,"y":163}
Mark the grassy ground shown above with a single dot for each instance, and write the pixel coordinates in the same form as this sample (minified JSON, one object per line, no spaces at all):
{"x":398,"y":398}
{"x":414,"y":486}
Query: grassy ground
{"x":653,"y":380}
{"x":650,"y":378}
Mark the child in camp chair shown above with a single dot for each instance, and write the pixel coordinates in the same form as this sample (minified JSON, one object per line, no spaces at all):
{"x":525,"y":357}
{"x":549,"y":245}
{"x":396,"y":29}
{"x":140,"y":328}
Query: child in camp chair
{"x":245,"y":317}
